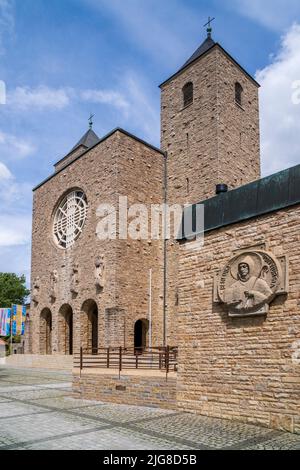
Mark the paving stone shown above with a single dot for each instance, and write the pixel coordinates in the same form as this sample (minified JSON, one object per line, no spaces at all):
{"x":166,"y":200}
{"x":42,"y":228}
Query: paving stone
{"x":42,"y":414}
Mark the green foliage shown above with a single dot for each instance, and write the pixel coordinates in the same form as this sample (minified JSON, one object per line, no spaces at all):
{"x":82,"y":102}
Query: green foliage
{"x":12,"y":290}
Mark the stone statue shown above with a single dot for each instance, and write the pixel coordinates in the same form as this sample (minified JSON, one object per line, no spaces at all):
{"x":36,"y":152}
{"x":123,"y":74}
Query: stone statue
{"x":249,"y":282}
{"x":75,"y":279}
{"x":35,"y":290}
{"x":53,"y":285}
{"x":99,"y":272}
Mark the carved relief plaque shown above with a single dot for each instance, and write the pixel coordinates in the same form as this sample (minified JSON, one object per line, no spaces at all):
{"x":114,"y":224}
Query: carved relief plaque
{"x":250,"y":281}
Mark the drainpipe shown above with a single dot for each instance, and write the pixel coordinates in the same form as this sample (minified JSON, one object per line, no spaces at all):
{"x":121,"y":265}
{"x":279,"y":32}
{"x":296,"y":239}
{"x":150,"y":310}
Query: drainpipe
{"x":150,"y":308}
{"x":165,"y":250}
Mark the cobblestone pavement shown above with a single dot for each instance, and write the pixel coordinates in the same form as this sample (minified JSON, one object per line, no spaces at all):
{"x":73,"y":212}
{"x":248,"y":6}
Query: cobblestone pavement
{"x":38,"y":412}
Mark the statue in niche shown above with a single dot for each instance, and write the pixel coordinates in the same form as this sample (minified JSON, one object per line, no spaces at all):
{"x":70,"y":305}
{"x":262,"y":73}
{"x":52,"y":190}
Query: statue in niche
{"x":35,"y":290}
{"x":99,"y":272}
{"x":249,"y":282}
{"x":75,"y":279}
{"x":53,"y":285}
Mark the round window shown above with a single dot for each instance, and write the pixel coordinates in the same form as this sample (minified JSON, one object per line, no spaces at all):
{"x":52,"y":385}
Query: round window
{"x":69,"y":219}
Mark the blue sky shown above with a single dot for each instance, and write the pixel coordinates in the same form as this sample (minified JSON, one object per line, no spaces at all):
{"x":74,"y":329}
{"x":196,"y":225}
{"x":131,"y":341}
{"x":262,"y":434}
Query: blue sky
{"x":62,"y":59}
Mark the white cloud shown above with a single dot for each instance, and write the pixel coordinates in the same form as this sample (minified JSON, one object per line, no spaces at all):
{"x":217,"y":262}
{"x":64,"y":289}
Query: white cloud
{"x":5,"y":174}
{"x":106,"y":97}
{"x":41,"y":97}
{"x":7,"y":22}
{"x":16,"y":259}
{"x":141,"y":110}
{"x":12,"y":146}
{"x":280,"y":115}
{"x":15,"y":230}
{"x":274,"y":14}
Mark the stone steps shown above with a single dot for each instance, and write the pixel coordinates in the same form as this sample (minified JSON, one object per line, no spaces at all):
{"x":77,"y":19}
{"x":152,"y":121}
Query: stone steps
{"x":55,"y":362}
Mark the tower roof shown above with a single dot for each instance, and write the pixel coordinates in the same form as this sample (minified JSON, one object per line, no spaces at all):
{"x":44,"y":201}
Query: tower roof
{"x":88,"y":140}
{"x":205,"y":46}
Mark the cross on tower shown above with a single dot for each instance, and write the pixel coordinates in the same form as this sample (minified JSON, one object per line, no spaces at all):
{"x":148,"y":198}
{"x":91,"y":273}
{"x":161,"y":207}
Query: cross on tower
{"x":208,"y":24}
{"x":91,"y":120}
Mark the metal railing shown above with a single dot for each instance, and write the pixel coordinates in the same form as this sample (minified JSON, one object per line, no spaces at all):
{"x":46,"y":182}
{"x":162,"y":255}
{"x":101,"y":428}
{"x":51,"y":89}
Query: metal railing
{"x":163,"y":359}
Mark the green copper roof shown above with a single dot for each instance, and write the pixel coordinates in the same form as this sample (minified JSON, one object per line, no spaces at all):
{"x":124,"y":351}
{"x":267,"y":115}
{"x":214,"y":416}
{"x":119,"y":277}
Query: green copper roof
{"x":261,"y":197}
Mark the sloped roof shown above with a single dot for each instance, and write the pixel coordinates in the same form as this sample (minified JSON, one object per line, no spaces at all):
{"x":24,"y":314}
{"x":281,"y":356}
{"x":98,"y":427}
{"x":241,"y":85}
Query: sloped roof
{"x":205,"y":46}
{"x":88,"y":140}
{"x":107,"y":136}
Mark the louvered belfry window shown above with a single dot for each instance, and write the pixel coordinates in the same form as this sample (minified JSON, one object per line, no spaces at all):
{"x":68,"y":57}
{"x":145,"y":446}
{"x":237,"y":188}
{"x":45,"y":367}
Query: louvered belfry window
{"x":69,"y":219}
{"x":188,"y":94}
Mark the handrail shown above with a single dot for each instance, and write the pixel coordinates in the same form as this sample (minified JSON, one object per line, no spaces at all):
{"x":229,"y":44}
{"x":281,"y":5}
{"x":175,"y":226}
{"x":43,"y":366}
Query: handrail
{"x":159,"y":358}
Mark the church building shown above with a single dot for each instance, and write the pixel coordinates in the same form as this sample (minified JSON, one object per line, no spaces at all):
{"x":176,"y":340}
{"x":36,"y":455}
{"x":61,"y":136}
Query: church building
{"x":230,"y":306}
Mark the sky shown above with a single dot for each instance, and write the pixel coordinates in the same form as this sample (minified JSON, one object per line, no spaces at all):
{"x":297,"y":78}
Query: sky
{"x":62,"y":60}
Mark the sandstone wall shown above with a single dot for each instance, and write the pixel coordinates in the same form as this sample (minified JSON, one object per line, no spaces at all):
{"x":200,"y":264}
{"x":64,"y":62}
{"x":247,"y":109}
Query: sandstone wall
{"x":141,"y":390}
{"x":213,"y":140}
{"x":243,"y":369}
{"x":119,"y":166}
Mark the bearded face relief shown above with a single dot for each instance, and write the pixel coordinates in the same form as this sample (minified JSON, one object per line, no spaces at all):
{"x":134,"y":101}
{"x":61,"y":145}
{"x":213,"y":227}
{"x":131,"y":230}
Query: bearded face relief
{"x":249,"y":283}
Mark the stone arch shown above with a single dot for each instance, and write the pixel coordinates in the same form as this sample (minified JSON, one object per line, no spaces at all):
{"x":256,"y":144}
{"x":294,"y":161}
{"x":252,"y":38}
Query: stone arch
{"x":141,"y":330}
{"x":65,"y":329}
{"x":46,"y":331}
{"x":89,"y":324}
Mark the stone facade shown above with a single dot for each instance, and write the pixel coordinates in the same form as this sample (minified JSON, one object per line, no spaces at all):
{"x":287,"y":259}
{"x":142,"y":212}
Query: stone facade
{"x":213,"y":140}
{"x":238,"y":347}
{"x":240,"y":368}
{"x":147,"y":390}
{"x":118,"y":166}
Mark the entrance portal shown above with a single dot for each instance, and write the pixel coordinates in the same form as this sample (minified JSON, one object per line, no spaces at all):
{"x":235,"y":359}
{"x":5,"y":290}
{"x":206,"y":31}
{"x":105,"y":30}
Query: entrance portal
{"x":141,"y":328}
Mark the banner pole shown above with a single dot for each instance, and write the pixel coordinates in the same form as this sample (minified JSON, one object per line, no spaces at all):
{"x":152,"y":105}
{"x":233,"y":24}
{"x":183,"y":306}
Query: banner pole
{"x":11,"y":330}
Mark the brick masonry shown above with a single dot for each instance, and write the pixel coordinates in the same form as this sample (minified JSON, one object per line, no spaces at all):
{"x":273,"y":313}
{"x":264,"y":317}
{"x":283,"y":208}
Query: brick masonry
{"x":236,"y":369}
{"x":243,"y":368}
{"x":147,"y":390}
{"x":211,"y":141}
{"x":119,"y":166}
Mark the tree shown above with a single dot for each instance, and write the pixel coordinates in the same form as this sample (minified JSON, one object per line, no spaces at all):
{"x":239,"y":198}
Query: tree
{"x":12,"y":290}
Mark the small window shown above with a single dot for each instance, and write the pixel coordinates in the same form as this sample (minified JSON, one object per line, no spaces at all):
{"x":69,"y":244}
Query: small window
{"x":239,"y":93}
{"x":188,"y":94}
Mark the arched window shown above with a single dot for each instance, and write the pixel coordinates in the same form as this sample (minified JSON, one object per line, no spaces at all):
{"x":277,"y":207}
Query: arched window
{"x":239,"y":93}
{"x":188,"y":94}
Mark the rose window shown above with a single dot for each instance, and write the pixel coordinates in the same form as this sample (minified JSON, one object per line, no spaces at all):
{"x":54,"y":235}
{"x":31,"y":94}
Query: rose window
{"x":69,"y":219}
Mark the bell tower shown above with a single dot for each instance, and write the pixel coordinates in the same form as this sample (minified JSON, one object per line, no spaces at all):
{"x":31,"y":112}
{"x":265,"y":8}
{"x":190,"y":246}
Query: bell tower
{"x":209,"y":125}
